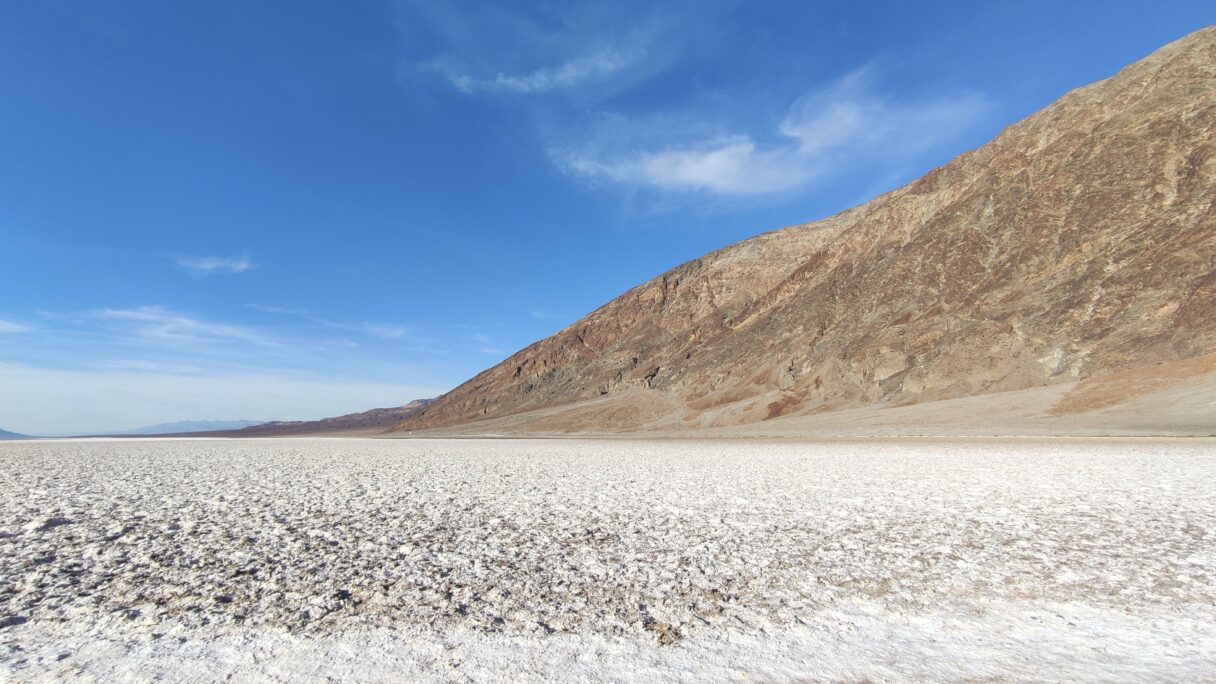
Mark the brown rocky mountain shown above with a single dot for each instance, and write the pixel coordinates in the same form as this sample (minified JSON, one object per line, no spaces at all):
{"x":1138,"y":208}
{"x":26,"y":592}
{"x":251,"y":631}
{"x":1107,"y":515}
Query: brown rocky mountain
{"x":1080,"y":243}
{"x":370,"y":422}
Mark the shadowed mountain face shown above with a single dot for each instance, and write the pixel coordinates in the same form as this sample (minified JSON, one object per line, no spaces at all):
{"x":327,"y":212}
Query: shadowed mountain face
{"x":1080,"y":242}
{"x":5,"y":434}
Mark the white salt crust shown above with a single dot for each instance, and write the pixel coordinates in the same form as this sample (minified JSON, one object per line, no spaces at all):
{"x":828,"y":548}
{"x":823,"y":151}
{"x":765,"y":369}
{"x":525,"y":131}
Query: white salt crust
{"x":378,"y":560}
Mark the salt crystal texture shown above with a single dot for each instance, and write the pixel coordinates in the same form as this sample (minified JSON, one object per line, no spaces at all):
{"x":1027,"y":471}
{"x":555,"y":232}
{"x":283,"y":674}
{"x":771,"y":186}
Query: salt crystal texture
{"x":616,"y":560}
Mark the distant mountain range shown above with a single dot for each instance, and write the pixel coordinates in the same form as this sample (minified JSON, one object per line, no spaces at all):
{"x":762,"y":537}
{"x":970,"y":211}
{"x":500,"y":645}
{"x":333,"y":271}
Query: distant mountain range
{"x":190,"y":426}
{"x":370,"y":422}
{"x":367,"y":422}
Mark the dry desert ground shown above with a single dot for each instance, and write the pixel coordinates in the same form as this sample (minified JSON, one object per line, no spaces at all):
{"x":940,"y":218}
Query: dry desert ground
{"x":608,"y":560}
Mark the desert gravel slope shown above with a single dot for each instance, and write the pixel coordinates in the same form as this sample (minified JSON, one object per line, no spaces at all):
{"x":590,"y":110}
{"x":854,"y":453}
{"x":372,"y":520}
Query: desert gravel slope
{"x":618,"y":560}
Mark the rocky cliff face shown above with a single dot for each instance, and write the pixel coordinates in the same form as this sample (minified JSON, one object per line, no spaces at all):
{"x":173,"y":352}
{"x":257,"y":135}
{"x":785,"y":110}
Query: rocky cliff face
{"x":1079,"y":242}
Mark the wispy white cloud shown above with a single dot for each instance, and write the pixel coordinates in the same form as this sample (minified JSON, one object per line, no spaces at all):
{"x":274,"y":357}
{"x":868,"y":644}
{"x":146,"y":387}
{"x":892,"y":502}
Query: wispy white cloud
{"x":210,"y":265}
{"x":729,"y":166}
{"x":574,"y":72}
{"x":108,"y":368}
{"x":162,"y":325}
{"x":830,"y":129}
{"x":286,"y":311}
{"x":37,"y":400}
{"x":388,"y":331}
{"x":10,"y":327}
{"x":385,"y":330}
{"x":150,"y":367}
{"x":584,"y":48}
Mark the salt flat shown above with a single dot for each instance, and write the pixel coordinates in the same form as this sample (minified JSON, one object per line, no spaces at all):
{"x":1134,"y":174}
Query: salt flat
{"x":607,"y":560}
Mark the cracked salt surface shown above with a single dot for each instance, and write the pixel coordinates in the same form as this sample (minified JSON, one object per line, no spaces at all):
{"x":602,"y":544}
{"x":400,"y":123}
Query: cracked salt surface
{"x":607,"y":560}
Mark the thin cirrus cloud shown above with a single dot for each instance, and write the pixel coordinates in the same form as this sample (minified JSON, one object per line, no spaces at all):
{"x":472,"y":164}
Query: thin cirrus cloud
{"x":589,"y":50}
{"x":384,"y":330}
{"x":65,"y":401}
{"x":163,"y":364}
{"x":140,"y":365}
{"x":210,"y":265}
{"x":161,"y":325}
{"x":845,"y":124}
{"x":387,"y":331}
{"x":10,"y":327}
{"x":574,"y":72}
{"x":588,"y":54}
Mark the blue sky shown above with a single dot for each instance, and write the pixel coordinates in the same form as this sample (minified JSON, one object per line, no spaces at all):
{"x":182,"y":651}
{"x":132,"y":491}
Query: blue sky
{"x":277,"y":210}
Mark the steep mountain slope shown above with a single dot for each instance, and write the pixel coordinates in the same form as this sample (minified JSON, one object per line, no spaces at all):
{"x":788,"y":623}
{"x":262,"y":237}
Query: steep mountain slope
{"x":372,"y":421}
{"x":1080,"y":242}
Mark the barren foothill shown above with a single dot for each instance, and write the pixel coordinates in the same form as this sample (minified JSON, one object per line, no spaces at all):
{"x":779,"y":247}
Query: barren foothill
{"x":610,"y":559}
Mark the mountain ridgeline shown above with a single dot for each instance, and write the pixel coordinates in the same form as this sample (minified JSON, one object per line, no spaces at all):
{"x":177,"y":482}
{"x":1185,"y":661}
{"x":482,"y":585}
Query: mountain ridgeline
{"x":366,"y":422}
{"x":1081,"y":242}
